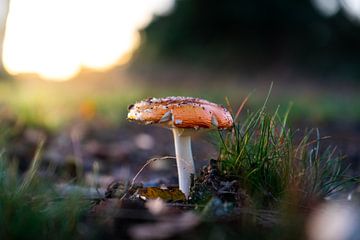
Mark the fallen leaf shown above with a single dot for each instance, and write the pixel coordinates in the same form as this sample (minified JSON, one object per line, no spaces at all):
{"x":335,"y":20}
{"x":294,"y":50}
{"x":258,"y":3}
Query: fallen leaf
{"x":171,"y":194}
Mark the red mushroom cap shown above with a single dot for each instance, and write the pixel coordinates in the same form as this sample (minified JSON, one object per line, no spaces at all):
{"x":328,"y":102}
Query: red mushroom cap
{"x":181,"y":112}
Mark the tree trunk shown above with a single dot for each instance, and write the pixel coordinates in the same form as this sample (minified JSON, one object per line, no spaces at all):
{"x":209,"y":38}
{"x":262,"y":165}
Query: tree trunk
{"x":4,"y":10}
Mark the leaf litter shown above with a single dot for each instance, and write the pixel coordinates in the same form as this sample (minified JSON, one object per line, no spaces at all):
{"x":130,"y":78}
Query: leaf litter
{"x":163,"y":212}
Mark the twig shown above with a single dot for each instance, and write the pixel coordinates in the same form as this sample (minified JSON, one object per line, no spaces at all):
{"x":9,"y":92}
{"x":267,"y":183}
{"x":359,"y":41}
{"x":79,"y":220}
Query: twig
{"x":141,"y":169}
{"x":147,"y":163}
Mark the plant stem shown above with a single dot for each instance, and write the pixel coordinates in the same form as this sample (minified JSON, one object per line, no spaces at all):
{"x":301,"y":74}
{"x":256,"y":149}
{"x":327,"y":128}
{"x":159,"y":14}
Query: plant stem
{"x":184,"y":160}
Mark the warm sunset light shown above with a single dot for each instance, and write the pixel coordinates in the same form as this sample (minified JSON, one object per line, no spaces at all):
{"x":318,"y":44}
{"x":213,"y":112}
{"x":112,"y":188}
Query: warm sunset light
{"x":56,"y":38}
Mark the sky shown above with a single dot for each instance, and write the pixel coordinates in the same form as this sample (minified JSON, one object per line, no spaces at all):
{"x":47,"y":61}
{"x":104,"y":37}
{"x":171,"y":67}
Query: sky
{"x":56,"y":38}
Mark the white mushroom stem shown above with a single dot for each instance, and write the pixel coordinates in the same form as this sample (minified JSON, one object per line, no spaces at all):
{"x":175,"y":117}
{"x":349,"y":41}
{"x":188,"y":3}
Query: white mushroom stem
{"x":184,"y":159}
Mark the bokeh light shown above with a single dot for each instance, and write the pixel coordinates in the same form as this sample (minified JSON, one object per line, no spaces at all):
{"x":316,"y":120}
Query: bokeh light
{"x":57,"y":38}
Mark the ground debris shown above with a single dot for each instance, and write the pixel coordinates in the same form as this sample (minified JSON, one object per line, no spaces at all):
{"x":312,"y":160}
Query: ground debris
{"x":130,"y":210}
{"x":124,"y":215}
{"x":166,"y":227}
{"x":126,"y":190}
{"x":210,"y":183}
{"x":168,"y":194}
{"x":121,"y":189}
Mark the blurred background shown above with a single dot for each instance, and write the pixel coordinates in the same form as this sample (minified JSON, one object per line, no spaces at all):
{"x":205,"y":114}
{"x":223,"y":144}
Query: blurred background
{"x":69,"y":69}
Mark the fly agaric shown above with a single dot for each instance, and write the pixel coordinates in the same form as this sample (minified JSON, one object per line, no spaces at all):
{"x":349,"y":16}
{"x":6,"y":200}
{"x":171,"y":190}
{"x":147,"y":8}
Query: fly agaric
{"x":185,"y":116}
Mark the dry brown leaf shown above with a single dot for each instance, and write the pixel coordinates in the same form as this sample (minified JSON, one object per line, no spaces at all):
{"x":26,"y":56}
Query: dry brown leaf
{"x":172,"y":194}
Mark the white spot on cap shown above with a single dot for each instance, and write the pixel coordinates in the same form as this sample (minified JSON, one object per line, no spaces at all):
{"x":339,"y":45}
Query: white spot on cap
{"x":166,"y":117}
{"x":178,"y":121}
{"x":214,"y":121}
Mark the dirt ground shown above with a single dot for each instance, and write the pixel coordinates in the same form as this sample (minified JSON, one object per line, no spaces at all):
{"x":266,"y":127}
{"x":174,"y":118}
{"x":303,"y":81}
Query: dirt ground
{"x":120,"y":152}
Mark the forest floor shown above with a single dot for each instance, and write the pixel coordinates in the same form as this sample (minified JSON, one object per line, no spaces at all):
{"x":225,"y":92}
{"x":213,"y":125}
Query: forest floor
{"x":84,"y":124}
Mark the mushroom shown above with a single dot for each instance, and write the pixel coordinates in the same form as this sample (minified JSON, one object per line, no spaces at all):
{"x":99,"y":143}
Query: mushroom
{"x":185,"y":116}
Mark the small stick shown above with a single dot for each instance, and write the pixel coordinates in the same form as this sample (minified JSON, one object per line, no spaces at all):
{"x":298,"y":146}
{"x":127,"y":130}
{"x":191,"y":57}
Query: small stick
{"x":141,"y":169}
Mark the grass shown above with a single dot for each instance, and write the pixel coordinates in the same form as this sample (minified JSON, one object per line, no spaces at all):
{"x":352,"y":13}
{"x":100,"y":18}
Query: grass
{"x":272,"y":161}
{"x":31,"y":208}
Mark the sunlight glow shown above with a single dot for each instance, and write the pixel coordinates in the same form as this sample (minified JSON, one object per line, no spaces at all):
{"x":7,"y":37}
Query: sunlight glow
{"x":56,"y":38}
{"x":327,"y":7}
{"x":352,"y":7}
{"x":331,"y":7}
